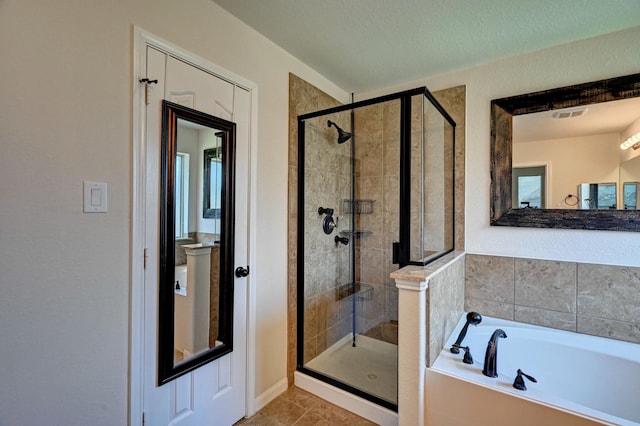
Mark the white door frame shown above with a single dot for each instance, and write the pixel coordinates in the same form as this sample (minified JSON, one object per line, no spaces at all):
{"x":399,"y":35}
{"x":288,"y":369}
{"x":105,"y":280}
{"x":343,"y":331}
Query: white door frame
{"x":142,"y":39}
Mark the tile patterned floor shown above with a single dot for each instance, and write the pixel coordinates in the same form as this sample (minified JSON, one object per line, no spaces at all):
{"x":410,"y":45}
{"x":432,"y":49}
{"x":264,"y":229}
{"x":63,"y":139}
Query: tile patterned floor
{"x":300,"y":408}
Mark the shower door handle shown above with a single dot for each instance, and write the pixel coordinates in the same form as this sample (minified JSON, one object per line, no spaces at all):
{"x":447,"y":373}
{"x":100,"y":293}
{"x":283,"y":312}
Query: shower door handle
{"x":242,"y":272}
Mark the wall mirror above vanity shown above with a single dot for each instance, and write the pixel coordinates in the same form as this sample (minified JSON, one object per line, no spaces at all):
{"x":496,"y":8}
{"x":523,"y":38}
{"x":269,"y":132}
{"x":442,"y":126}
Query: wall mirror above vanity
{"x":557,"y":159}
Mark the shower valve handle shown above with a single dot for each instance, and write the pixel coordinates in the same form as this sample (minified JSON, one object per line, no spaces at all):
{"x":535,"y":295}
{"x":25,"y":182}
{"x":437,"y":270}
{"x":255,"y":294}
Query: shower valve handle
{"x":343,"y":240}
{"x":328,"y":224}
{"x":325,"y":210}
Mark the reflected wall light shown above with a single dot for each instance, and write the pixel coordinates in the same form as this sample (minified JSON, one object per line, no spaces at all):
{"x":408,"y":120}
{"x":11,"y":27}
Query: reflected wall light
{"x":632,"y":142}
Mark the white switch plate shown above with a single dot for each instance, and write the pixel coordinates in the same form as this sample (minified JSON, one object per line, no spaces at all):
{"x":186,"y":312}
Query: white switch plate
{"x":95,"y":197}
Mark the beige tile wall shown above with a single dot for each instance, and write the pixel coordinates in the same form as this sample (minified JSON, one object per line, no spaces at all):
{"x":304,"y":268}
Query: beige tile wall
{"x":377,"y":138}
{"x":445,"y":305}
{"x":304,"y":98}
{"x":326,"y":264}
{"x":601,"y":300}
{"x":453,"y":100}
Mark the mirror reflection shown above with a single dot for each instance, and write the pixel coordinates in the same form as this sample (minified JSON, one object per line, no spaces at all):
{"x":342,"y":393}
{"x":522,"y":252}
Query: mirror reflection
{"x":597,"y":196}
{"x":197,"y":241}
{"x":196,"y":285}
{"x":572,"y":158}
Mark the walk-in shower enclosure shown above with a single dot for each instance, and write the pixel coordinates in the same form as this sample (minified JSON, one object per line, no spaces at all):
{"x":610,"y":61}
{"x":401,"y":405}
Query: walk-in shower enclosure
{"x":375,"y":193}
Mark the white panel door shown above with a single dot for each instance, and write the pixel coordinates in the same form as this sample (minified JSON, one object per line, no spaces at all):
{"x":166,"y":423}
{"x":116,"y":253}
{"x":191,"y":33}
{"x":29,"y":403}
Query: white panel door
{"x":214,"y":394}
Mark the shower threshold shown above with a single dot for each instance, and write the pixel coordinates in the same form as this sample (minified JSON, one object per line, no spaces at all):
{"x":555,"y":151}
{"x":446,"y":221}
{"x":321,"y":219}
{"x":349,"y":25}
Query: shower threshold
{"x":371,"y":366}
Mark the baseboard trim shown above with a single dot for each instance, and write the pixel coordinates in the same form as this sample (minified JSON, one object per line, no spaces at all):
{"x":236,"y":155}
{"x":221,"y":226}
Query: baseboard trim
{"x":270,"y":394}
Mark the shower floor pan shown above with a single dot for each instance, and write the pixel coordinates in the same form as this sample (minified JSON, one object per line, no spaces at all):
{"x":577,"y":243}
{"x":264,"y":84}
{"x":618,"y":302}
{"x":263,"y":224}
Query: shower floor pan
{"x":371,"y":366}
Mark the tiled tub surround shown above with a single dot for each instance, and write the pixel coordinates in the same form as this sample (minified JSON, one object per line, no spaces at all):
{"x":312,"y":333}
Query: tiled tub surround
{"x":600,"y":300}
{"x":592,"y":299}
{"x":445,"y":304}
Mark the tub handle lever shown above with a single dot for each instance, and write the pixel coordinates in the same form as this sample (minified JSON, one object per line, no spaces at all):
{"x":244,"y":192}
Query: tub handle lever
{"x":518,"y":383}
{"x":468,"y":359}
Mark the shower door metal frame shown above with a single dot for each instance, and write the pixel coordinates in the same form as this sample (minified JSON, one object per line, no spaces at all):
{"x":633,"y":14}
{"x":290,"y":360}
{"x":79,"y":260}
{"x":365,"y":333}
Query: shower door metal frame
{"x":401,"y":249}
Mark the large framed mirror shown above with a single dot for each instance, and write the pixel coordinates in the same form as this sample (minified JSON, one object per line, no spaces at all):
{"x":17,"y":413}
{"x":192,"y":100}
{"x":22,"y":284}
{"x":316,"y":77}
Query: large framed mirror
{"x":195,"y":311}
{"x":531,"y":188}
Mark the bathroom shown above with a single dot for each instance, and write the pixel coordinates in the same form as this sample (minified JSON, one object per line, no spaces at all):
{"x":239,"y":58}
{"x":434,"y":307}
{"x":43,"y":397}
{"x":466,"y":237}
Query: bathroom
{"x":68,"y":118}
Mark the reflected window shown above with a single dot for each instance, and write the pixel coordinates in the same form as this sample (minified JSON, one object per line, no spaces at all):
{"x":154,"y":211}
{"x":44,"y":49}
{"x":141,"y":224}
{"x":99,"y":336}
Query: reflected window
{"x":182,"y":195}
{"x":630,"y":195}
{"x":607,"y":196}
{"x":213,"y":180}
{"x":215,"y":190}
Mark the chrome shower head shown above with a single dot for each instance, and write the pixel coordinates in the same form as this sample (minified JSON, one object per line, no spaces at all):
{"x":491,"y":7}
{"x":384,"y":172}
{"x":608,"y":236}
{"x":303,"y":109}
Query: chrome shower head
{"x":342,"y":135}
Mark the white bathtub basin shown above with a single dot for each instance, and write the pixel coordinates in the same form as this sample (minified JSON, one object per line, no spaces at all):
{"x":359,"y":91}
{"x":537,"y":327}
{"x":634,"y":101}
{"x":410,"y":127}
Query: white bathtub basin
{"x":592,"y":377}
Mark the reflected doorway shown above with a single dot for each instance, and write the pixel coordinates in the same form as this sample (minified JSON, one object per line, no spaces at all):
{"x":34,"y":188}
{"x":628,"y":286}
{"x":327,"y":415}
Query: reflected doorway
{"x":529,"y":187}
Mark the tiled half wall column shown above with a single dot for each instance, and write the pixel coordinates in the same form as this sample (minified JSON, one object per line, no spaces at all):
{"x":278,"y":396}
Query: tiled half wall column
{"x":430,"y":304}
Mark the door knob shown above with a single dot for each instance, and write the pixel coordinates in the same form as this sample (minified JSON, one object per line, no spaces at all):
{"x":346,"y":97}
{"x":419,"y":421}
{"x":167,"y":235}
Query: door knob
{"x":242,"y":272}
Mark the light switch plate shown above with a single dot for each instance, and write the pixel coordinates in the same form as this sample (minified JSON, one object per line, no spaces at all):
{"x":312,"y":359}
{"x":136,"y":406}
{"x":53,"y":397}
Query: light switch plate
{"x":95,"y":197}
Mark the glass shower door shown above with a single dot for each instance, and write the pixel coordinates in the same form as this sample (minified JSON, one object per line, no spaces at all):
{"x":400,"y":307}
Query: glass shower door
{"x":375,"y":194}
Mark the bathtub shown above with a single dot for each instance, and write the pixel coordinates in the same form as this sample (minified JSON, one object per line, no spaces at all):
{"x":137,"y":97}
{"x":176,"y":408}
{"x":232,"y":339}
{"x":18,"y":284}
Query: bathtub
{"x":581,"y":379}
{"x":181,"y":279}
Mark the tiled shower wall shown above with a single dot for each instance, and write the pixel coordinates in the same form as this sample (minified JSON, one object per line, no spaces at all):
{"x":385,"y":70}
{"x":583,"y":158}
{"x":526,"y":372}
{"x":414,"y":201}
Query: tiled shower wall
{"x":377,"y":170}
{"x":600,"y":300}
{"x":431,"y":179}
{"x":326,"y":264}
{"x":303,"y":98}
{"x":328,"y":314}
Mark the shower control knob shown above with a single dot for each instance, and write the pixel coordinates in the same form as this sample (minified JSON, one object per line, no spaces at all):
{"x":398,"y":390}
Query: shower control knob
{"x":328,"y":224}
{"x":242,"y":272}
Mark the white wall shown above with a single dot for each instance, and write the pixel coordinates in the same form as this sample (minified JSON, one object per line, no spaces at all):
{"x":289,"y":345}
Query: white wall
{"x":65,"y":117}
{"x":588,"y":60}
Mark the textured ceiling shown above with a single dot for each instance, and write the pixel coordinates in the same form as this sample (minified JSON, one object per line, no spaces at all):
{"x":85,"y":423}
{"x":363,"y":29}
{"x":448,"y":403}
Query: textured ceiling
{"x":363,"y":45}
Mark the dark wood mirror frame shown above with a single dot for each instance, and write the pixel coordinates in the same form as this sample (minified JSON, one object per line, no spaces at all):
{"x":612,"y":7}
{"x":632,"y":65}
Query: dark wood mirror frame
{"x":167,"y":369}
{"x":502,"y":112}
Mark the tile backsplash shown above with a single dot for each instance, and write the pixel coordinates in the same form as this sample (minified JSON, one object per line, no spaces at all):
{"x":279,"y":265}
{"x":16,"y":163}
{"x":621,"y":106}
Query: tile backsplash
{"x":600,"y":300}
